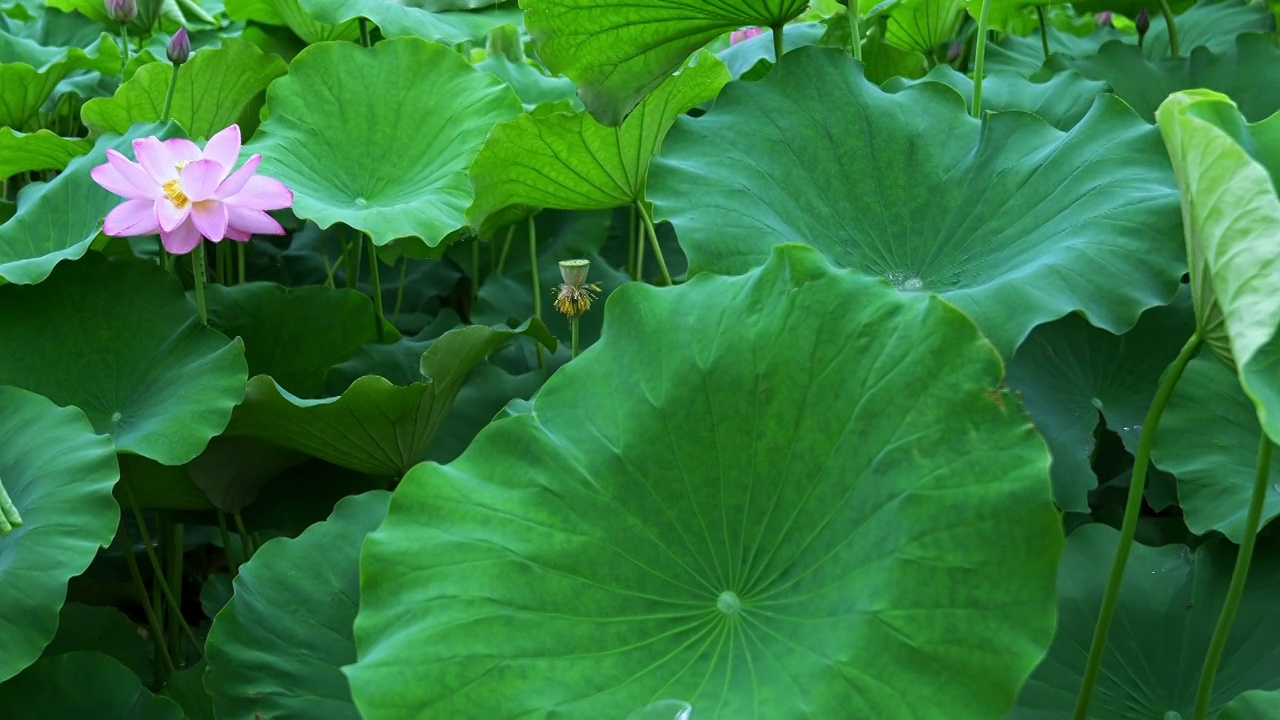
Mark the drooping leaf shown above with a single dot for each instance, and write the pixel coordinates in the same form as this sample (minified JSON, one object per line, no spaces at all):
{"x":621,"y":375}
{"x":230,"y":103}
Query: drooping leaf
{"x":58,"y":474}
{"x":58,"y":220}
{"x":349,"y":152}
{"x":214,"y":89}
{"x":1253,"y":705}
{"x":1062,"y":101}
{"x":40,"y":150}
{"x":25,"y":85}
{"x":276,"y":650}
{"x":651,"y":531}
{"x":85,"y":685}
{"x":120,"y":340}
{"x":1013,"y":221}
{"x":186,"y":688}
{"x":1070,"y":372}
{"x":618,"y":54}
{"x":569,"y":161}
{"x":1228,"y":172}
{"x":1215,"y":479}
{"x":418,"y":18}
{"x":375,"y":426}
{"x":1169,"y":605}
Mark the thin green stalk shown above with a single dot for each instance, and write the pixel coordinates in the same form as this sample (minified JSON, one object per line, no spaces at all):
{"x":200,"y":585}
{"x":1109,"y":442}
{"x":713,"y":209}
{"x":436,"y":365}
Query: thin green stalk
{"x":475,"y":270}
{"x":653,"y":241}
{"x":1044,"y":31}
{"x":506,"y":248}
{"x":1137,"y":484}
{"x":980,"y":54}
{"x":778,"y":47}
{"x":170,"y":260}
{"x":158,"y":571}
{"x":168,"y":98}
{"x":240,"y":271}
{"x":641,"y":238}
{"x":631,"y":243}
{"x":404,"y":272}
{"x":375,"y":279}
{"x":364,"y":33}
{"x":173,"y":578}
{"x":573,"y":330}
{"x":245,"y":539}
{"x":153,"y":622}
{"x":1167,"y":12}
{"x":224,"y":263}
{"x":330,"y":269}
{"x":353,"y":266}
{"x":1235,"y":591}
{"x":855,"y":29}
{"x":124,"y":48}
{"x":233,"y":563}
{"x":537,"y":284}
{"x":198,"y":272}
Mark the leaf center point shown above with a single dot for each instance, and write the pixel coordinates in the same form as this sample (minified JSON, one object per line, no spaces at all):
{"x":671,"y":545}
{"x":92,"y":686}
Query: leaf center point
{"x":728,"y":603}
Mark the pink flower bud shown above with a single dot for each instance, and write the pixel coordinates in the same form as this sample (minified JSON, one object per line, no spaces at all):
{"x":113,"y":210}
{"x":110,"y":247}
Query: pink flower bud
{"x":179,"y":47}
{"x":122,"y":11}
{"x":744,"y":34}
{"x":1103,"y":19}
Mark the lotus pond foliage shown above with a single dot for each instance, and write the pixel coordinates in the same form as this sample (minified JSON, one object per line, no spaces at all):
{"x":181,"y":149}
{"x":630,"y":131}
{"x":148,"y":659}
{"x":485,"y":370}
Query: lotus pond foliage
{"x":647,"y":360}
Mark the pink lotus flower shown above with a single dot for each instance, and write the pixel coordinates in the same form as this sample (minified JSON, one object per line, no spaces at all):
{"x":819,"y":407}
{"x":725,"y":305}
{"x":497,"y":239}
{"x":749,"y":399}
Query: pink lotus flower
{"x":745,"y":34}
{"x":186,"y":193}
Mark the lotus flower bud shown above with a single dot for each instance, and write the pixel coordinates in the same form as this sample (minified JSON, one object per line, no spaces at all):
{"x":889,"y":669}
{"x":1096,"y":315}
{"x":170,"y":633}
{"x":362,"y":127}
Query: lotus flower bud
{"x":1103,"y":19}
{"x":745,"y":34}
{"x":179,"y":47}
{"x":1142,"y":22}
{"x":122,"y":11}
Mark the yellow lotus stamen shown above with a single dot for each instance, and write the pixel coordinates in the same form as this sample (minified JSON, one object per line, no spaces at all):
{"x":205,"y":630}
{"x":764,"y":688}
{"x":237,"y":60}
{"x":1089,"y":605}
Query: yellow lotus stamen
{"x":173,"y":191}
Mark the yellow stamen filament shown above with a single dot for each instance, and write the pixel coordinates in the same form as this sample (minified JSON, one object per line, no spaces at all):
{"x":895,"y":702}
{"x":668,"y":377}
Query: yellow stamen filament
{"x":173,"y":190}
{"x":574,"y":301}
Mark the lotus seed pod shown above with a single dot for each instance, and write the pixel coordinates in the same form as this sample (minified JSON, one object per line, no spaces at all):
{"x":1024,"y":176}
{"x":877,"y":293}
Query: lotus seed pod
{"x":179,"y":47}
{"x":574,"y":272}
{"x":122,"y":11}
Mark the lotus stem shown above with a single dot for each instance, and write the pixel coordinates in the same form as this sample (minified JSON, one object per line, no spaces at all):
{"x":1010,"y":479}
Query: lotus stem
{"x":364,"y":33}
{"x":506,"y":248}
{"x":173,"y":562}
{"x":855,"y":29}
{"x":233,"y":565}
{"x":631,"y":242}
{"x":356,"y":250}
{"x":979,"y":55}
{"x":376,"y":280}
{"x":653,"y":241}
{"x":245,"y":538}
{"x":475,"y":270}
{"x":641,"y":238}
{"x":573,"y":331}
{"x":124,"y":48}
{"x":240,"y":262}
{"x":1044,"y":31}
{"x":537,"y":284}
{"x":168,"y":97}
{"x":198,"y":279}
{"x":404,"y":272}
{"x":158,"y":571}
{"x":153,"y":622}
{"x":1235,"y":591}
{"x":1133,"y":504}
{"x":778,"y":48}
{"x":1167,"y":12}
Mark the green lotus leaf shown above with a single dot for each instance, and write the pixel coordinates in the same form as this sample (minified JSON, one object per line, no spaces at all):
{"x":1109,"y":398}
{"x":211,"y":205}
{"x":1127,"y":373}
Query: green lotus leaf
{"x":1169,"y":605}
{"x":24,"y":87}
{"x":417,"y":18}
{"x":1215,"y":480}
{"x":1212,"y":24}
{"x":214,"y":90}
{"x":101,"y":629}
{"x":1242,"y":72}
{"x":291,"y":14}
{"x":85,"y":685}
{"x":143,"y":369}
{"x":483,"y":397}
{"x":922,"y":25}
{"x":1013,"y":221}
{"x":1062,"y":101}
{"x":40,"y":150}
{"x":186,"y":688}
{"x":569,"y":161}
{"x":505,"y":58}
{"x":150,"y":12}
{"x":401,"y":179}
{"x":884,"y":62}
{"x":1253,"y":705}
{"x":375,"y":426}
{"x":1228,"y":174}
{"x":1069,"y":372}
{"x":58,"y":220}
{"x":277,"y":649}
{"x":618,"y":54}
{"x":822,"y":546}
{"x":750,"y":59}
{"x":58,"y":474}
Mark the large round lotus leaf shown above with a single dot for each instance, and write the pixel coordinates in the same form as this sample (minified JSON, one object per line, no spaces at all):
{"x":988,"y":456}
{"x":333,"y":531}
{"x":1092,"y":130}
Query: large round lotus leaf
{"x":277,"y":648}
{"x":58,"y":220}
{"x":40,"y":150}
{"x":58,"y":474}
{"x":618,"y":53}
{"x":84,"y":685}
{"x":1062,"y":101}
{"x":25,"y":86}
{"x":420,"y":18}
{"x":213,"y":90}
{"x":1011,"y":220}
{"x":804,"y":498}
{"x":1169,"y":605}
{"x":1229,"y":173}
{"x":923,"y":25}
{"x":1069,"y":372}
{"x":381,"y":138}
{"x":1215,"y":478}
{"x":569,"y":161}
{"x":375,"y":426}
{"x":120,"y":340}
{"x":1253,"y":705}
{"x":1243,"y":72}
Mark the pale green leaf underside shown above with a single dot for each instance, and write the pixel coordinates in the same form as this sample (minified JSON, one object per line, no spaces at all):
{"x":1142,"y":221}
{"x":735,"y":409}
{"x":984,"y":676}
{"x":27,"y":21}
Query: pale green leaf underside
{"x":618,"y":53}
{"x":569,"y":161}
{"x":40,"y":150}
{"x":1062,"y":101}
{"x":24,"y":88}
{"x":851,"y":500}
{"x":1253,"y":705}
{"x":1016,"y":223}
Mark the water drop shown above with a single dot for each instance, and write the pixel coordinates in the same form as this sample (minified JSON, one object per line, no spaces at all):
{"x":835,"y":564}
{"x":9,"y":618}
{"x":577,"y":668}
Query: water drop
{"x":1096,"y":403}
{"x":728,"y":603}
